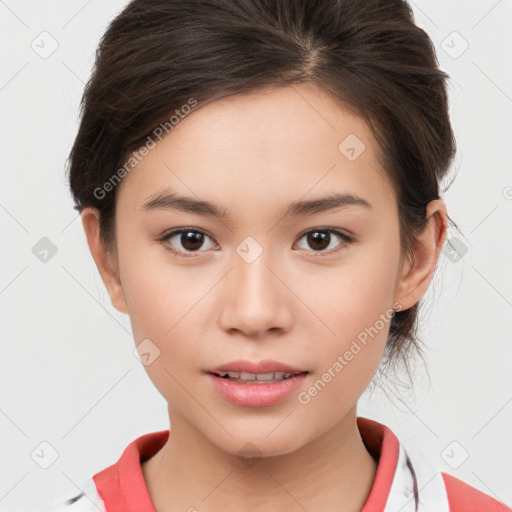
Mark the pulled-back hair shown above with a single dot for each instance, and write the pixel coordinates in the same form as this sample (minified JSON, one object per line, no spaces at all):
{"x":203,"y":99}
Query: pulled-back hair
{"x":158,"y":57}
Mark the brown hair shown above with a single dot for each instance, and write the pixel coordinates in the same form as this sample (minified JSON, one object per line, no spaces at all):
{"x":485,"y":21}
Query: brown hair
{"x":158,"y":54}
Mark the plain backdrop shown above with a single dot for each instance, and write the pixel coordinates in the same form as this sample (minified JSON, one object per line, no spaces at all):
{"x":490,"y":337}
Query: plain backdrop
{"x":71,"y":387}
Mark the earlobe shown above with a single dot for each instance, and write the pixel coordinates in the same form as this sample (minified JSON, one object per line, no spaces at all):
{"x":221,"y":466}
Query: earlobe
{"x":418,"y":273}
{"x":105,"y":260}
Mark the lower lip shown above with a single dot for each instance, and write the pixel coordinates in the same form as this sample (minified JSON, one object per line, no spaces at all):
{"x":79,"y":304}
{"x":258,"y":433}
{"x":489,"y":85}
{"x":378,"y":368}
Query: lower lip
{"x":256,"y":395}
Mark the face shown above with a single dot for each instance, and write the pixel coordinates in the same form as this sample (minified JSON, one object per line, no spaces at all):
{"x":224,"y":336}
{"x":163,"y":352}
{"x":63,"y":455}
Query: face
{"x":262,"y":279}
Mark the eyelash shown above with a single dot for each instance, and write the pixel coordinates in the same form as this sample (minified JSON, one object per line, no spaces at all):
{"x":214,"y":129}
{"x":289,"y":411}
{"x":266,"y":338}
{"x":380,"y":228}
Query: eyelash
{"x":346,"y":239}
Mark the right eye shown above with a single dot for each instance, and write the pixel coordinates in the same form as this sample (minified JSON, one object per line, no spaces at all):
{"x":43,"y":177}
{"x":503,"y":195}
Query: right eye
{"x":190,"y":240}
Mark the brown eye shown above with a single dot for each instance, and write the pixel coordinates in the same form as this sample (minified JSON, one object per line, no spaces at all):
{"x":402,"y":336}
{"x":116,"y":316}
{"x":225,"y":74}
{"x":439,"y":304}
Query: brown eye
{"x":191,"y":240}
{"x":320,"y":239}
{"x":181,"y":241}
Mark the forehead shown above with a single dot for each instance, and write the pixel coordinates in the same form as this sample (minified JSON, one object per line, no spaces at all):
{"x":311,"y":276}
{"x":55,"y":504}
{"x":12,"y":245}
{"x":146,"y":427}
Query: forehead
{"x":289,"y":140}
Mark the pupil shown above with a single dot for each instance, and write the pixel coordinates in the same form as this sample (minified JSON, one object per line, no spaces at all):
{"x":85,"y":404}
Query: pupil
{"x":191,"y":240}
{"x":318,"y":237}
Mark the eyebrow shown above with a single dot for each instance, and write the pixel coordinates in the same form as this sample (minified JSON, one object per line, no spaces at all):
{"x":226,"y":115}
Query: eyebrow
{"x":172,"y":201}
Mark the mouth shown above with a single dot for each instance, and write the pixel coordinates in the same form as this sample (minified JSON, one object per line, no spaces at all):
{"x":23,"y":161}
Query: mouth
{"x":247,"y":389}
{"x":256,"y":378}
{"x":264,"y":371}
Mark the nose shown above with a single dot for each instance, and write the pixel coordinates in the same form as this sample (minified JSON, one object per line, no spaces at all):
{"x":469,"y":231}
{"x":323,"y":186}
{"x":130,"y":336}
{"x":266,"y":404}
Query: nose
{"x":256,"y":298}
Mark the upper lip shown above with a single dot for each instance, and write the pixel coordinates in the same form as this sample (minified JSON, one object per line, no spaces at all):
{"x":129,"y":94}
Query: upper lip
{"x":265,"y":366}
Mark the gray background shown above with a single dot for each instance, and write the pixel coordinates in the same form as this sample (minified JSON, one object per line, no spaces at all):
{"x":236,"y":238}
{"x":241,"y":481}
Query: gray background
{"x":68,"y":374}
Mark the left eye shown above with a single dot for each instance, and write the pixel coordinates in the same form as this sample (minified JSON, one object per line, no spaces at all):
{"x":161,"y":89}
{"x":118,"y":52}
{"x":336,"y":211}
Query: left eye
{"x":318,"y":238}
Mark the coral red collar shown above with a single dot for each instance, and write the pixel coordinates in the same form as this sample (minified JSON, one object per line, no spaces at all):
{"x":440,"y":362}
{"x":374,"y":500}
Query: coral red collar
{"x":123,"y":489}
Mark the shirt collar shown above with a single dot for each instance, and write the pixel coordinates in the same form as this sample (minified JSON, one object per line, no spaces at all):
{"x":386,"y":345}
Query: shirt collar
{"x":123,"y":488}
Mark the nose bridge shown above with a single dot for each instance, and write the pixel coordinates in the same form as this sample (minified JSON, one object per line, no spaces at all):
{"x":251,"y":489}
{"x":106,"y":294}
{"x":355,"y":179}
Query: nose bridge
{"x":256,"y":298}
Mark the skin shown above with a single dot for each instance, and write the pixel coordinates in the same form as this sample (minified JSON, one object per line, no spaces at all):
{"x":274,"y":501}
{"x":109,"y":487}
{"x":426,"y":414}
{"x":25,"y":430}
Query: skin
{"x":299,"y":303}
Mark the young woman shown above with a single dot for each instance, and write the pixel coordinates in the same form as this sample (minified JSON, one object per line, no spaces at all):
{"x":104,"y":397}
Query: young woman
{"x":258,"y":182}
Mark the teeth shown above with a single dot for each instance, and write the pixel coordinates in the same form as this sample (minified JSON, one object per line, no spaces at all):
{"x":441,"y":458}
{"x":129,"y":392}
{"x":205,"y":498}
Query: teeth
{"x":256,"y":377}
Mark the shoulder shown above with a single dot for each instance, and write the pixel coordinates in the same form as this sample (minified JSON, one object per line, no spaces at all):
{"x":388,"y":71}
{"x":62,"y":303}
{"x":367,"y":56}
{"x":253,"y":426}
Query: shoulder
{"x":86,"y":500}
{"x":462,"y":497}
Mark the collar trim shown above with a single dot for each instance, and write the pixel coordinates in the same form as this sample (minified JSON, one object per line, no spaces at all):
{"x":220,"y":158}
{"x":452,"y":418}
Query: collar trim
{"x":123,"y":489}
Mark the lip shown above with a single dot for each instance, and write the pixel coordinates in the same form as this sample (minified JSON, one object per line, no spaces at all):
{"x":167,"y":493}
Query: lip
{"x":264,"y":366}
{"x":256,"y":395}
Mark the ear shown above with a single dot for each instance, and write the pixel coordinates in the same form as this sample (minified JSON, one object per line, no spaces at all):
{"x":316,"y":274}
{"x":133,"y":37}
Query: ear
{"x":106,"y":262}
{"x":416,"y":275}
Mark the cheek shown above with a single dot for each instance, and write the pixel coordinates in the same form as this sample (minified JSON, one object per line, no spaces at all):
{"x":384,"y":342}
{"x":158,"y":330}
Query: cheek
{"x":163,"y":311}
{"x":352,"y":297}
{"x":161,"y":296}
{"x":166,"y":305}
{"x":348,"y":351}
{"x":352,"y":306}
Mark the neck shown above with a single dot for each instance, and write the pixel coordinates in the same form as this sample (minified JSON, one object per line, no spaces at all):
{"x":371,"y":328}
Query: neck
{"x":334,"y":472}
